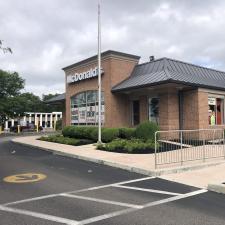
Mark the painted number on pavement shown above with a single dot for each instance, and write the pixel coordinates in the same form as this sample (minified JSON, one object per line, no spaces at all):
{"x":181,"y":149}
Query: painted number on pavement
{"x":25,"y":178}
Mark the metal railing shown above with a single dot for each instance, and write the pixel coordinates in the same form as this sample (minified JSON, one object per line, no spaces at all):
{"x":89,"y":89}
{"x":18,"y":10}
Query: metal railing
{"x":179,"y":146}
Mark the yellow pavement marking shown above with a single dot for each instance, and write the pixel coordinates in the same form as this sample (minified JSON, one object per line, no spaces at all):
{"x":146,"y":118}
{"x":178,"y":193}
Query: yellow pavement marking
{"x":25,"y":178}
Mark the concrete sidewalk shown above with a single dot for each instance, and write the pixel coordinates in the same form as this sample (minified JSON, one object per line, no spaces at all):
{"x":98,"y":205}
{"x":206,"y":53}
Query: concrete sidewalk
{"x":194,"y":173}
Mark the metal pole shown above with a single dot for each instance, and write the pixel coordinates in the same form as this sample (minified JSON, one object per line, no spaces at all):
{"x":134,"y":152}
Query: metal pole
{"x":204,"y":141}
{"x":156,"y":149}
{"x":181,"y":142}
{"x":99,"y":75}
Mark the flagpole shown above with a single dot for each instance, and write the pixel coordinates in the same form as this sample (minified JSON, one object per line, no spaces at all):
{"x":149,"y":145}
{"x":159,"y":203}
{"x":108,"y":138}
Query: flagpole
{"x":99,"y":75}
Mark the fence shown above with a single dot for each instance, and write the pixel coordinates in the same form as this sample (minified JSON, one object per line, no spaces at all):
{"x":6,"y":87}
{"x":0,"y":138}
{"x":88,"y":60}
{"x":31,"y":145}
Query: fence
{"x":179,"y":146}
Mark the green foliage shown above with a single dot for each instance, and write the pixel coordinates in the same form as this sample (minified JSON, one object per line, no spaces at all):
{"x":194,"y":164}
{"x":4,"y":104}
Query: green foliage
{"x":10,"y":84}
{"x":79,"y":132}
{"x":109,"y":134}
{"x":127,"y":133}
{"x":128,"y":146}
{"x":146,"y":130}
{"x":59,"y":124}
{"x":65,"y":140}
{"x":94,"y":134}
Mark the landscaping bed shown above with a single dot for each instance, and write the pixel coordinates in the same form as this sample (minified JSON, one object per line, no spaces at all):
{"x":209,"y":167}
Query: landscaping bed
{"x":65,"y":140}
{"x":124,"y":140}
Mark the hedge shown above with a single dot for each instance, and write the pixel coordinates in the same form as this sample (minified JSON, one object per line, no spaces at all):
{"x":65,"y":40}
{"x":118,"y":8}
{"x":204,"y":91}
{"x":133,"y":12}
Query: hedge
{"x":65,"y":140}
{"x":108,"y":134}
{"x":146,"y":130}
{"x":79,"y":132}
{"x":127,"y":133}
{"x":128,"y":146}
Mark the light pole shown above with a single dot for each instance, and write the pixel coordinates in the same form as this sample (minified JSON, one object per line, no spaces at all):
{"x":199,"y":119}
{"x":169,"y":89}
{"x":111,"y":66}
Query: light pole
{"x":99,"y":75}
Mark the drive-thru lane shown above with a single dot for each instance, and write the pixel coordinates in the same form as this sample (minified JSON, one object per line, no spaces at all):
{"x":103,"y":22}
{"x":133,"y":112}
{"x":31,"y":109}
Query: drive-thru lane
{"x":72,"y":191}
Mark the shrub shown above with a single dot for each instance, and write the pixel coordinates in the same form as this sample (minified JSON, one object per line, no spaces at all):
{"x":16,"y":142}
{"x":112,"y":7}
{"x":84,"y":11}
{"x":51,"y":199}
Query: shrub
{"x":65,"y":140}
{"x":67,"y":131}
{"x":146,"y":130}
{"x":128,"y":146}
{"x":59,"y":124}
{"x":109,"y":134}
{"x":126,"y":133}
{"x":94,"y":134}
{"x":78,"y":132}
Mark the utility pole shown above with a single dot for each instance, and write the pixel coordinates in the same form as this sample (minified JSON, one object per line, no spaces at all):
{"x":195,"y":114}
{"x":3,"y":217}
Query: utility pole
{"x":99,"y":76}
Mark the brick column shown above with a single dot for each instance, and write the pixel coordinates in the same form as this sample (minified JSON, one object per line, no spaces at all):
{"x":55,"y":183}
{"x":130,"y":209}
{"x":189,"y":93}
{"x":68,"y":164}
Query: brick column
{"x":169,"y":111}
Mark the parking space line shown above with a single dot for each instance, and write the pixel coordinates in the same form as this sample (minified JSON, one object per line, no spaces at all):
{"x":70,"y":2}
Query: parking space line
{"x":39,"y":215}
{"x":147,"y":190}
{"x":136,"y":180}
{"x":76,"y":191}
{"x":103,"y":201}
{"x":125,"y":211}
{"x":31,"y":199}
{"x":175,"y":198}
{"x":110,"y":185}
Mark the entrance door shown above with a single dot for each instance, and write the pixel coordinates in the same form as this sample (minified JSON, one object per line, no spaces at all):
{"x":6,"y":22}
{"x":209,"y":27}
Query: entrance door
{"x":136,"y":112}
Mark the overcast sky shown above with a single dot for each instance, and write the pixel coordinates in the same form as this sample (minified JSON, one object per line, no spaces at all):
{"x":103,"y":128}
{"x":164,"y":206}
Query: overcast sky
{"x":46,"y":35}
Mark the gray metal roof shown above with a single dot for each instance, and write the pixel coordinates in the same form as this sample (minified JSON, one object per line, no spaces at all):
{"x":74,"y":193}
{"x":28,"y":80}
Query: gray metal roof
{"x":167,"y":70}
{"x":58,"y":98}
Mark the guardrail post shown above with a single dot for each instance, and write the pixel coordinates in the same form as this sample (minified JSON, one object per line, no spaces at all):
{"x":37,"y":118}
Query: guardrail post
{"x":204,"y":147}
{"x":181,"y":147}
{"x":155,"y":150}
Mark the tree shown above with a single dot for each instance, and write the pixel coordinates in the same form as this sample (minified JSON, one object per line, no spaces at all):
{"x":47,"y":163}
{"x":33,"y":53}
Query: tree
{"x":11,"y":85}
{"x":5,"y":49}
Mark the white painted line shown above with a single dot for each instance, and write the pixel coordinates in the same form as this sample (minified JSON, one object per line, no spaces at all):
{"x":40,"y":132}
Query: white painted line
{"x":103,"y":201}
{"x":106,"y":216}
{"x":136,"y":180}
{"x":77,"y":191}
{"x":39,"y":215}
{"x":175,"y":198}
{"x":125,"y":211}
{"x":31,"y":199}
{"x":110,"y":185}
{"x":148,"y":190}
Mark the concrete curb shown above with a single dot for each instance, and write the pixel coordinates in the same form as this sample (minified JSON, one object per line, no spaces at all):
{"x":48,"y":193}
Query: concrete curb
{"x":157,"y":172}
{"x":99,"y":161}
{"x":218,"y":188}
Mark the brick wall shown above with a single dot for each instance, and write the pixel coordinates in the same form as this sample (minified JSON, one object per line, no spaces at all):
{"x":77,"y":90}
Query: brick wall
{"x":169,"y":111}
{"x":116,"y":69}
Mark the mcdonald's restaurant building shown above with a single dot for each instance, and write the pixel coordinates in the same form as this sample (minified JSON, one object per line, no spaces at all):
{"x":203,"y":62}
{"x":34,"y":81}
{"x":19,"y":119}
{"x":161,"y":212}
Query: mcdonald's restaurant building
{"x":172,"y":93}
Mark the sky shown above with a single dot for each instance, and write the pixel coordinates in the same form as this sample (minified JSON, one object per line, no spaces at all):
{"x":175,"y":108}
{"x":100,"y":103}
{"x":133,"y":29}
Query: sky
{"x":47,"y":35}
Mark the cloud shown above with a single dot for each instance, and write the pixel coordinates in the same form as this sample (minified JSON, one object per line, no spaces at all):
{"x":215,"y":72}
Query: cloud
{"x":48,"y":35}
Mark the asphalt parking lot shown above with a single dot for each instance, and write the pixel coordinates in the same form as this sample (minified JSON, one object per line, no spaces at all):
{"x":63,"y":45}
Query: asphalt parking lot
{"x":73,"y":191}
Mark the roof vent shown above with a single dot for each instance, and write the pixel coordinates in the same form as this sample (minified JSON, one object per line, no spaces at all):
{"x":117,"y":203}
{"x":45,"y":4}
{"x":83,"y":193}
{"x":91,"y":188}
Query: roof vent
{"x":151,"y":58}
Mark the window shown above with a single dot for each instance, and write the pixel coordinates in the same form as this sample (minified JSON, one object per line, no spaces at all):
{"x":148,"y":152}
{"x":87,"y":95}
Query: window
{"x":216,"y":111}
{"x":84,"y":108}
{"x":153,"y":109}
